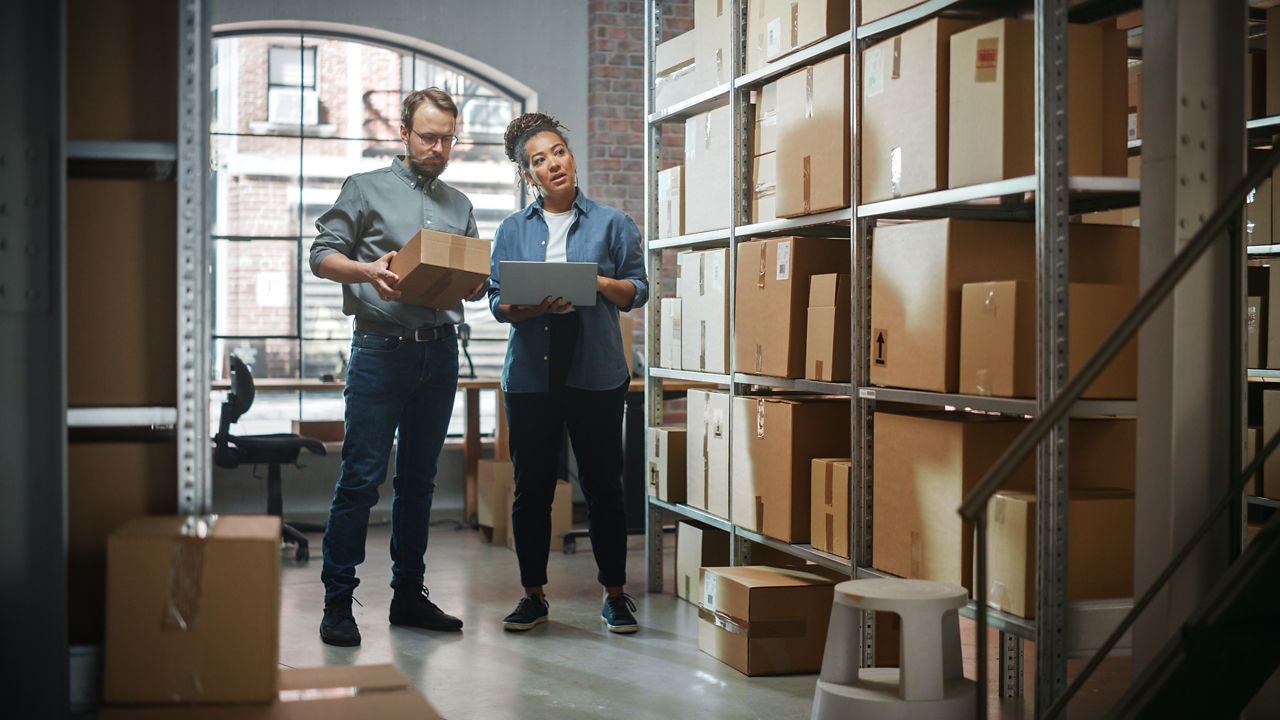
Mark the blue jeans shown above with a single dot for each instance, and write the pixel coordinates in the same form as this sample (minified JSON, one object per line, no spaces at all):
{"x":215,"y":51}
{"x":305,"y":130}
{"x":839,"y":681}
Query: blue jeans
{"x":392,"y":385}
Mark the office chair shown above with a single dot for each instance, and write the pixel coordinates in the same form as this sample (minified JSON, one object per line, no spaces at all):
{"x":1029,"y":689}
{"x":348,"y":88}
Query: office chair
{"x":272,"y":450}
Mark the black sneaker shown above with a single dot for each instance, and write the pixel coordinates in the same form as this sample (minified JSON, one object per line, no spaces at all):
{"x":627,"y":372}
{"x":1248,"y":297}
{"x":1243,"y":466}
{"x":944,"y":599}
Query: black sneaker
{"x":338,"y":626}
{"x":531,"y":610}
{"x":617,"y":614}
{"x":413,"y":608}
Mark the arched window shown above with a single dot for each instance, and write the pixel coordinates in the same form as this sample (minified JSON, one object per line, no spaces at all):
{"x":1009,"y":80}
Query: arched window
{"x":294,"y":114}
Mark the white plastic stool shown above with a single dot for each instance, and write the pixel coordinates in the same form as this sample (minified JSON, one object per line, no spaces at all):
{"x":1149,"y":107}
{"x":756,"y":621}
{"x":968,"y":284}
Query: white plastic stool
{"x":930,"y":682}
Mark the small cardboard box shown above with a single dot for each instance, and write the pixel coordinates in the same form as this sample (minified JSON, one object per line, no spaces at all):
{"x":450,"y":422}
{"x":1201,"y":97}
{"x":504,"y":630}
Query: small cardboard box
{"x":561,"y":515}
{"x":774,"y":440}
{"x":193,"y":610}
{"x":1099,"y":548}
{"x":701,"y":285}
{"x":829,"y":519}
{"x":713,"y":60}
{"x":675,"y":74}
{"x":697,"y":547}
{"x":707,"y":451}
{"x":827,"y":345}
{"x":326,"y":431}
{"x":992,"y":118}
{"x":763,"y":620}
{"x":772,"y":301}
{"x":813,"y":139}
{"x":669,"y":346}
{"x":667,"y":463}
{"x":1258,"y":214}
{"x":707,"y":198}
{"x":765,"y":138}
{"x":876,"y":9}
{"x":998,"y":338}
{"x":671,"y":202}
{"x":438,"y":269}
{"x":495,"y":482}
{"x":903,"y":141}
{"x":333,"y":691}
{"x":764,"y":187}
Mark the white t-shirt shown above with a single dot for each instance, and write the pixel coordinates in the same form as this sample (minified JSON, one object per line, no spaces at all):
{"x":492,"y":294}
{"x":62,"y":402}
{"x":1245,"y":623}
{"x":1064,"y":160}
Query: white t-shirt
{"x":558,"y":237}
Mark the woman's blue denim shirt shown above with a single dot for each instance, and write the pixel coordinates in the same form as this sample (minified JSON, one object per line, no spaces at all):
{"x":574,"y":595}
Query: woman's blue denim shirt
{"x":599,"y":234}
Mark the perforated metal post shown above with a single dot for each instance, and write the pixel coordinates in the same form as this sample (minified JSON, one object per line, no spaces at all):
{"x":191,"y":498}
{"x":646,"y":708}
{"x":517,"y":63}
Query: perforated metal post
{"x":653,"y":266}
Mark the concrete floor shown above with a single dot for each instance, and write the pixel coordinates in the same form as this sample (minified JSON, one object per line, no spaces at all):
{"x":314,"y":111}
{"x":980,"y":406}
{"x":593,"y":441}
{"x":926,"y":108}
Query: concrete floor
{"x":571,"y":667}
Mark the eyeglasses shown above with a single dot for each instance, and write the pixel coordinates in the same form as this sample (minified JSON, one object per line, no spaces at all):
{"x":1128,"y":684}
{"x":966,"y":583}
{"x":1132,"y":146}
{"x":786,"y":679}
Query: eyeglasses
{"x":446,"y":141}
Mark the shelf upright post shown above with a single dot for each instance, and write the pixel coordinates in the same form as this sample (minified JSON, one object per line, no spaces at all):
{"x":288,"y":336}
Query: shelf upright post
{"x":739,"y":208}
{"x":653,"y":267}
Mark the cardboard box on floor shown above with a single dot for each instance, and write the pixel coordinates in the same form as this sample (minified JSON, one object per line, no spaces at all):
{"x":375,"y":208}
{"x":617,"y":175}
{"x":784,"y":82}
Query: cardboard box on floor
{"x":829,"y":516}
{"x":671,"y":202}
{"x":992,"y":118}
{"x":920,"y":268}
{"x":670,"y":328}
{"x":772,"y":300}
{"x":667,"y":463}
{"x":707,"y":451}
{"x":764,"y":187}
{"x":702,"y":286}
{"x":827,"y":332}
{"x":998,"y":338}
{"x":905,"y":82}
{"x":813,"y":138}
{"x":334,"y":691}
{"x":561,"y":515}
{"x":713,"y":61}
{"x":762,"y":620}
{"x":438,"y":269}
{"x":773,"y":442}
{"x":495,"y":481}
{"x":707,"y":138}
{"x":675,"y":72}
{"x":193,"y":610}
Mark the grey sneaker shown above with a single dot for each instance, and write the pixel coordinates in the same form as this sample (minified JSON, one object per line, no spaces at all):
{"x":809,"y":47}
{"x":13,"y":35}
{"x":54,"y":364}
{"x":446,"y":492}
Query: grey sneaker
{"x":617,"y":614}
{"x":530,"y":611}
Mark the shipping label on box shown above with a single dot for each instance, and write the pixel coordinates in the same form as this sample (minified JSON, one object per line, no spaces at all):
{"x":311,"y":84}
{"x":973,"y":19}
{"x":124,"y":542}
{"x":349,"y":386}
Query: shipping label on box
{"x":438,"y":269}
{"x":704,"y":310}
{"x":670,"y":202}
{"x":667,"y":463}
{"x":669,"y":340}
{"x":813,"y":139}
{"x":829,"y":517}
{"x":707,"y":451}
{"x":697,"y":547}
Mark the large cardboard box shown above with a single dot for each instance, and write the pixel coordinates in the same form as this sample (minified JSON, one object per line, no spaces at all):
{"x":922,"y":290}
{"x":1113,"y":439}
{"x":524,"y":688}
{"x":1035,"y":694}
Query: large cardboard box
{"x":667,"y":463}
{"x":702,"y":286}
{"x":670,"y":328}
{"x":813,"y":138}
{"x":675,"y":74}
{"x":561,"y":516}
{"x":193,"y":610}
{"x":772,"y":300}
{"x":707,"y":166}
{"x":992,"y":120}
{"x":764,"y":139}
{"x":998,"y":338}
{"x":713,"y":59}
{"x":1258,"y":214}
{"x":494,"y":484}
{"x":773,"y":443}
{"x":876,"y":9}
{"x":827,"y":345}
{"x":697,"y":547}
{"x":707,"y":451}
{"x":905,"y":106}
{"x":829,"y":518}
{"x":332,"y":691}
{"x":671,"y":202}
{"x":438,"y":269}
{"x":764,"y":187}
{"x":919,"y":270}
{"x":763,"y":620}
{"x":1099,"y":548}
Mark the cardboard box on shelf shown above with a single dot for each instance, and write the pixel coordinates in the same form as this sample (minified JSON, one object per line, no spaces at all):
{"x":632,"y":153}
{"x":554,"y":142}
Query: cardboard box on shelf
{"x":876,"y":9}
{"x":1253,"y":331}
{"x":791,"y":26}
{"x":772,"y":300}
{"x":920,"y":268}
{"x":675,"y":73}
{"x":1099,"y":548}
{"x":1135,"y":100}
{"x":713,"y":60}
{"x":773,"y":442}
{"x":702,"y":286}
{"x":829,"y":518}
{"x":998,"y":338}
{"x":561,"y":516}
{"x":813,"y":138}
{"x":763,"y":620}
{"x":439,"y":269}
{"x":193,"y":610}
{"x":827,"y":341}
{"x":697,"y":547}
{"x":671,"y":202}
{"x":764,"y":187}
{"x":707,"y":197}
{"x":707,"y":451}
{"x":326,"y":431}
{"x":759,"y":14}
{"x":1258,"y":214}
{"x":992,"y":119}
{"x":667,"y":463}
{"x":669,"y":349}
{"x":495,"y":481}
{"x":764,"y":139}
{"x":1271,"y":356}
{"x":903,"y":143}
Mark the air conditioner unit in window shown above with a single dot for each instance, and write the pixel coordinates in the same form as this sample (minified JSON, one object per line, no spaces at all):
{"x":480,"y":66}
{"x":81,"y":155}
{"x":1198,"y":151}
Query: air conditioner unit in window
{"x":287,"y":105}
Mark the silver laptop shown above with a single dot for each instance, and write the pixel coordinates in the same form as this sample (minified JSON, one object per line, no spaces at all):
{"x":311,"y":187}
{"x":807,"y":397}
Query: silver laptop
{"x":528,"y":283}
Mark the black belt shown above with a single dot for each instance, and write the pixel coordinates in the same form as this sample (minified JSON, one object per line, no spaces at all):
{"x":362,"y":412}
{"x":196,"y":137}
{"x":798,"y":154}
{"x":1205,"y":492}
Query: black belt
{"x":421,"y":334}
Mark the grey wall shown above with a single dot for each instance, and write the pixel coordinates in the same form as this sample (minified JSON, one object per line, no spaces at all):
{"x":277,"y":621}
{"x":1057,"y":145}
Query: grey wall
{"x":540,"y":44}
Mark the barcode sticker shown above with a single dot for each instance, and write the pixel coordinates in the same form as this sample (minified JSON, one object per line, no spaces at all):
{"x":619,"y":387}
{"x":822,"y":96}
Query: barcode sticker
{"x":784,"y":260}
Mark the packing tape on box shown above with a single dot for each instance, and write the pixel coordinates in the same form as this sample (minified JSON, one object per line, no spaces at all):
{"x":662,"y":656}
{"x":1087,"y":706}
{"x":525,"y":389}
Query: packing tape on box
{"x":996,"y":595}
{"x":808,"y":92}
{"x":982,"y":382}
{"x":895,"y":171}
{"x":896,"y":73}
{"x":759,"y":629}
{"x":831,"y":532}
{"x":817,"y":370}
{"x":795,"y":23}
{"x":760,"y":273}
{"x":457,"y":259}
{"x":829,"y":495}
{"x":759,"y":359}
{"x":759,"y":416}
{"x":186,"y":573}
{"x":806,"y":173}
{"x":702,"y":344}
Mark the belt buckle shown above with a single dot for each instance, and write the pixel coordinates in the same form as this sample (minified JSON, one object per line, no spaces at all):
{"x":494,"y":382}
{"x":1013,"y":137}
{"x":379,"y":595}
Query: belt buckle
{"x":424,"y":334}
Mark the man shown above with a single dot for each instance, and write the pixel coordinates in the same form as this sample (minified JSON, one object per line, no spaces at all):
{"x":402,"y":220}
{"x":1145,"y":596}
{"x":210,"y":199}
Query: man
{"x":403,"y":373}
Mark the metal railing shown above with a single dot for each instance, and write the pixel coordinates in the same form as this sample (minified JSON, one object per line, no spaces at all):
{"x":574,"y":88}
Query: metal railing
{"x":974,"y":507}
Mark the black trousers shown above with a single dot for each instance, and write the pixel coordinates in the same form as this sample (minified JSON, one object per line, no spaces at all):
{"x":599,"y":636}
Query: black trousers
{"x":536,"y":424}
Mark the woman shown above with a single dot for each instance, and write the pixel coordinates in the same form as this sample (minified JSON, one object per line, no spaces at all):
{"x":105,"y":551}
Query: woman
{"x":565,"y":366}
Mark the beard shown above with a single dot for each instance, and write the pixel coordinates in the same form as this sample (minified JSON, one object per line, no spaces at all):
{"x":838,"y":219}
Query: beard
{"x":430,"y":166}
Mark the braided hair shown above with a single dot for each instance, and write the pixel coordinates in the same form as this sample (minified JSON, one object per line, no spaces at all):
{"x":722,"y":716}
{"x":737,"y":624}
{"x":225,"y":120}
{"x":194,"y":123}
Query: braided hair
{"x":524,"y":127}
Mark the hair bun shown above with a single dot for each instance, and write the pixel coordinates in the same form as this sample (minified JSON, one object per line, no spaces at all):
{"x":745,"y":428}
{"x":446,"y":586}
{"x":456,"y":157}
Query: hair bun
{"x":525,"y":126}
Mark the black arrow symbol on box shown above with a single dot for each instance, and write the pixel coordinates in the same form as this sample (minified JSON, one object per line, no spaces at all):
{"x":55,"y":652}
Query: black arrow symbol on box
{"x":880,"y":348}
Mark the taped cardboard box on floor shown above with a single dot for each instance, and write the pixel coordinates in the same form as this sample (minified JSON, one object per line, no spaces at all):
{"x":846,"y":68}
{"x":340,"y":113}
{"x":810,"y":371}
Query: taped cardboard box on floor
{"x":713,"y":61}
{"x":765,"y":136}
{"x":495,"y":481}
{"x":335,"y":691}
{"x":998,"y":338}
{"x":920,"y":268}
{"x":707,"y":451}
{"x":669,"y":345}
{"x":671,"y":202}
{"x":702,"y":286}
{"x":707,"y":138}
{"x":439,"y":269}
{"x":561,"y":515}
{"x":827,"y":332}
{"x":772,"y":300}
{"x":829,"y":517}
{"x":675,"y":74}
{"x":193,"y":610}
{"x":903,"y":143}
{"x":763,"y":620}
{"x":1258,"y":214}
{"x":773,"y":442}
{"x":667,"y":463}
{"x":1099,"y":548}
{"x":992,"y":118}
{"x":813,"y":138}
{"x":764,"y":187}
